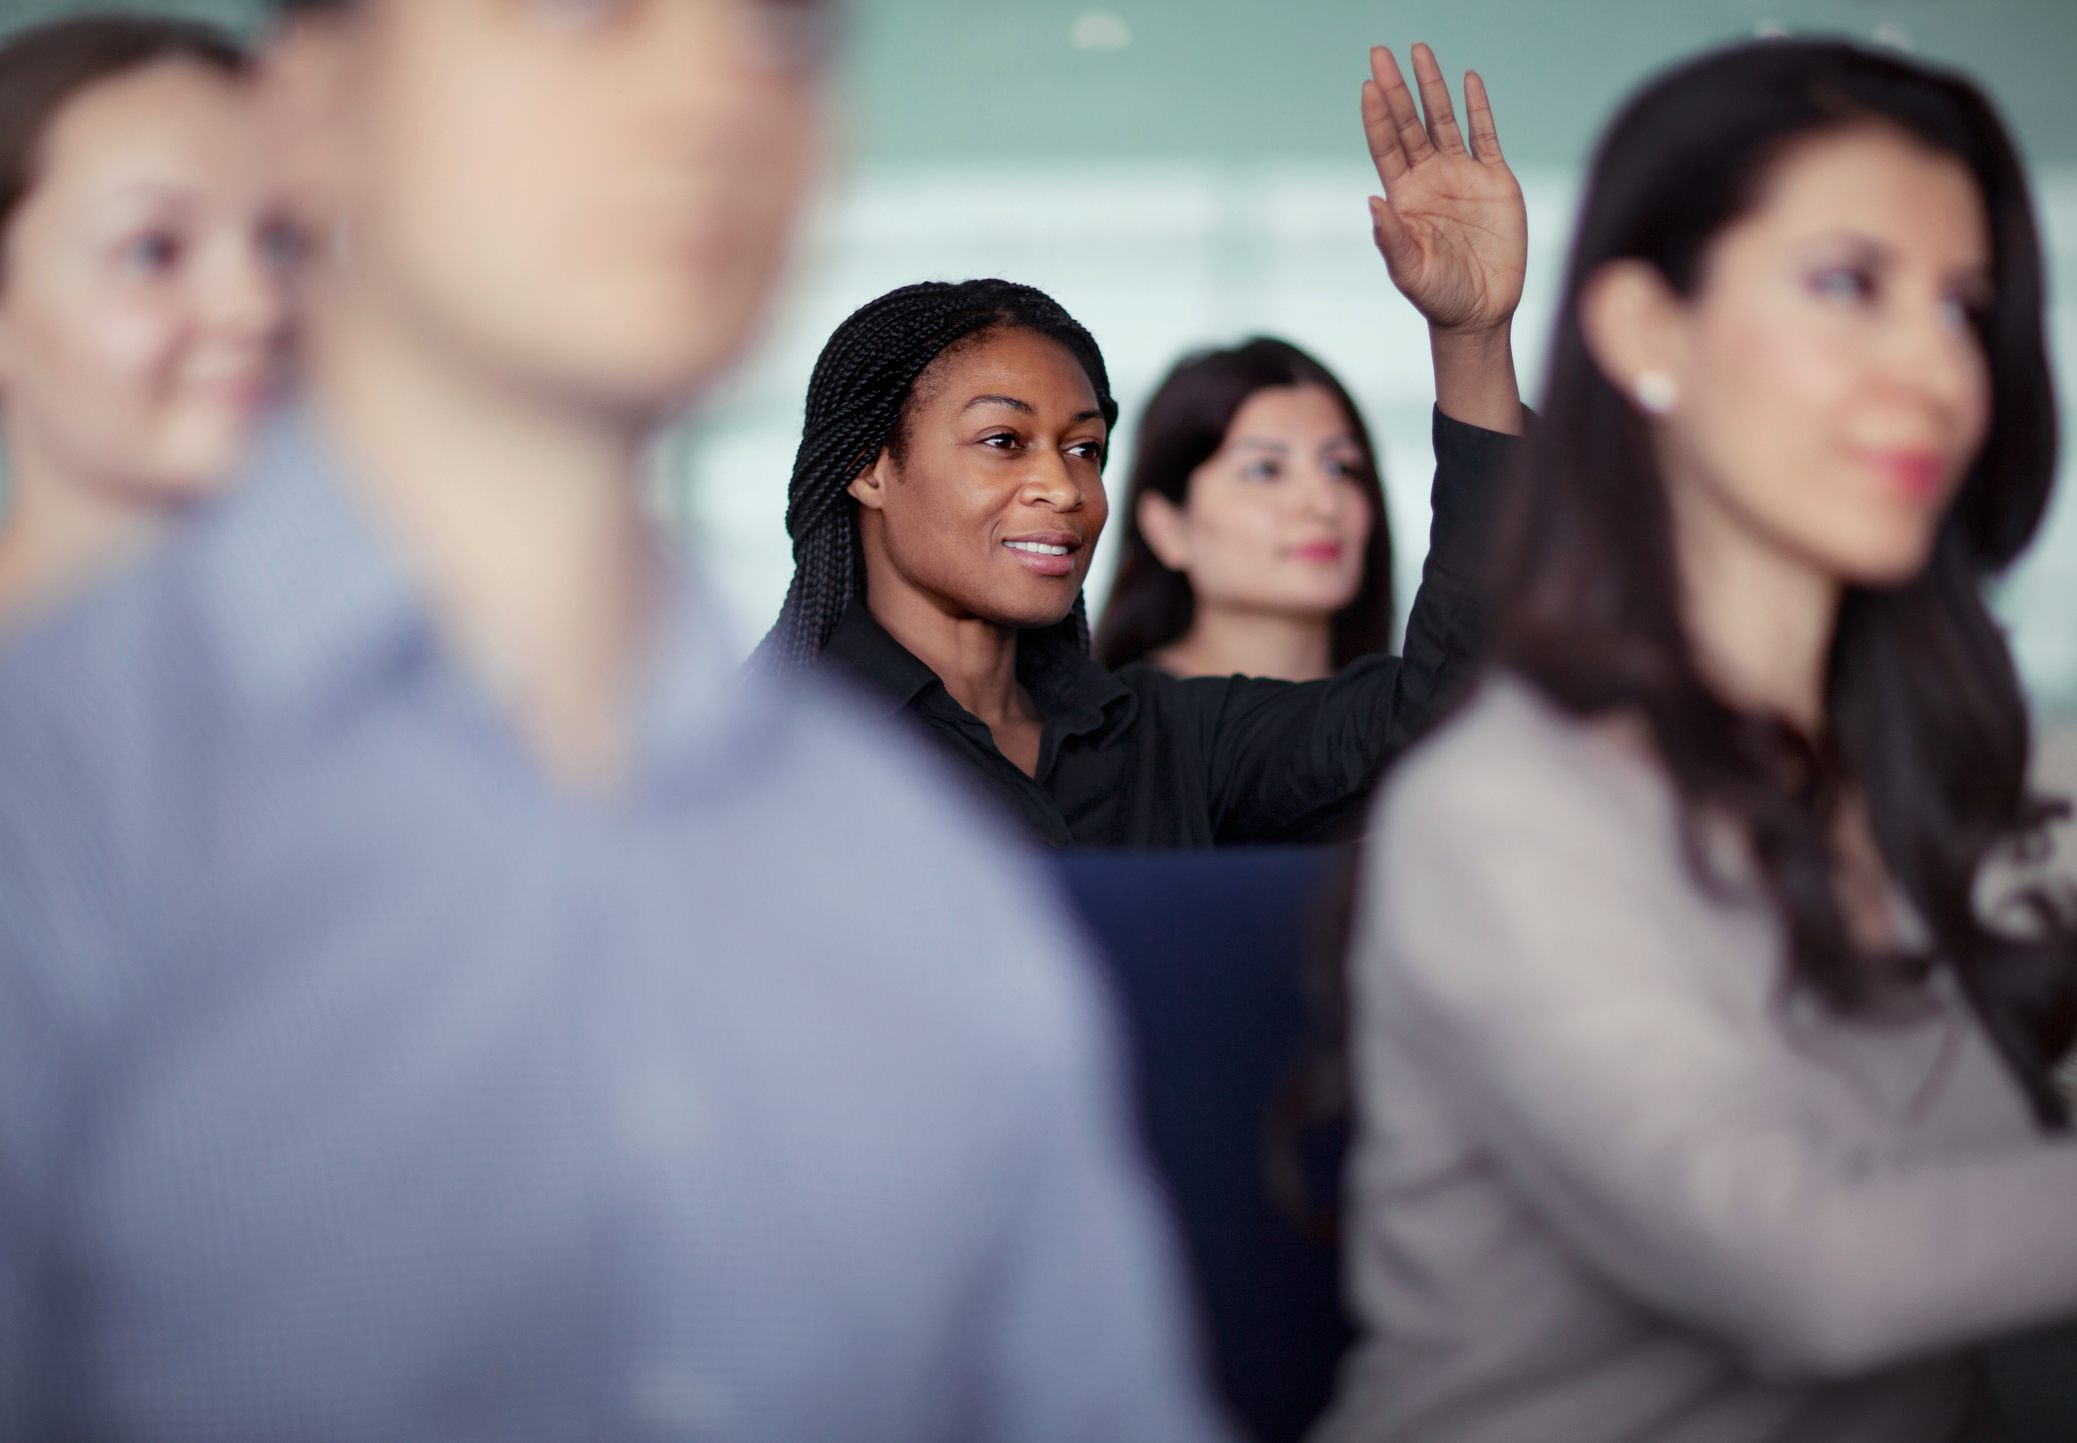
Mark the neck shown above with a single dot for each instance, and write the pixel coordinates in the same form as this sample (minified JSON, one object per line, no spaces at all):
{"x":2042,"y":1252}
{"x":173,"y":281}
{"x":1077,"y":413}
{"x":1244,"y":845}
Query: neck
{"x":521,"y":517}
{"x":975,"y":659}
{"x":60,"y":530}
{"x":1761,"y":620}
{"x":1225,"y":641}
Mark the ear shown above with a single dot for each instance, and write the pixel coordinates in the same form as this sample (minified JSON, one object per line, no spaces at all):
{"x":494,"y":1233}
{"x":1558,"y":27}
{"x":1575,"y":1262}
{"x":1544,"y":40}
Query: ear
{"x":1162,"y":523}
{"x":306,"y":87}
{"x":1635,"y":328}
{"x":869,"y":487}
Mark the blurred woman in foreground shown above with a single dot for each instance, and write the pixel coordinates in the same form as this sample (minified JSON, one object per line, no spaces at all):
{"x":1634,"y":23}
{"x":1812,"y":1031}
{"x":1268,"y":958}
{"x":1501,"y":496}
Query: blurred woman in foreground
{"x":1698,"y":1098}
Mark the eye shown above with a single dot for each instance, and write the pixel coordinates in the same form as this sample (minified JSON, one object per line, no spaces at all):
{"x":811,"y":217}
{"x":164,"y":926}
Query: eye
{"x":792,"y":34}
{"x":1843,"y":283}
{"x":574,"y":14}
{"x":1965,"y":315}
{"x":281,"y":246}
{"x":1001,"y":440}
{"x":1262,"y":468}
{"x":153,"y":253}
{"x":1343,"y":468}
{"x":1088,"y":451}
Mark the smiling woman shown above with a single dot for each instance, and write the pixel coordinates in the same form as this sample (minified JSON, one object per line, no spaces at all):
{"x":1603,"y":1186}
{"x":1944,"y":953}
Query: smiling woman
{"x":141,"y":300}
{"x":949,"y":493}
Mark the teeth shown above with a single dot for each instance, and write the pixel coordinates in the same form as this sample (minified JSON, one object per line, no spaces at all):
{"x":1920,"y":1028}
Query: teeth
{"x":1036,"y":548}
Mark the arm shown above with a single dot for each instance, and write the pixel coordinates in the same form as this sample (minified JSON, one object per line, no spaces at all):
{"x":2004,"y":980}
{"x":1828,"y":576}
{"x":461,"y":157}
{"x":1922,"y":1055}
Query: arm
{"x":1453,"y":230}
{"x":1297,"y":761}
{"x":1526,"y":938}
{"x":1292,"y":763}
{"x":54,"y":907}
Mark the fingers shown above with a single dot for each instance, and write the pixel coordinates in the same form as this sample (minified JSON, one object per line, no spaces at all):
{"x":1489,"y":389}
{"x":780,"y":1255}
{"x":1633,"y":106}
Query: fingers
{"x":1399,"y":106}
{"x":1402,"y":254}
{"x":1435,"y":102}
{"x":1478,"y":111}
{"x":1384,"y":139}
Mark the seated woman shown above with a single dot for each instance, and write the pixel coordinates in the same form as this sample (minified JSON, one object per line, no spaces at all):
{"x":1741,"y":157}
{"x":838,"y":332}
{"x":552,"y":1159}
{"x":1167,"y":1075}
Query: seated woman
{"x":1256,"y":540}
{"x":1699,"y":1098}
{"x":948,"y":495}
{"x":142,"y":308}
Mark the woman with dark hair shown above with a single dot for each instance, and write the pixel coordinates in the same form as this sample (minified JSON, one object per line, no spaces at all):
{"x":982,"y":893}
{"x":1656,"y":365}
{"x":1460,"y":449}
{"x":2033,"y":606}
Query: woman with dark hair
{"x":1699,"y":1099}
{"x":948,"y":494}
{"x":141,"y":297}
{"x":1256,"y":538}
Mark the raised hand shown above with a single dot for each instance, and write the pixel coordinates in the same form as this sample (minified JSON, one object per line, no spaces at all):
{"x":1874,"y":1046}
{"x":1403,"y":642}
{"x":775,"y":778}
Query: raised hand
{"x":1451,"y":224}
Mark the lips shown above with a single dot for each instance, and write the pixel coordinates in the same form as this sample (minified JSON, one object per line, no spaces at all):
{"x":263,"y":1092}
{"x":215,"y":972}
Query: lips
{"x":1915,"y":475}
{"x":1324,"y":553}
{"x":1045,"y":553}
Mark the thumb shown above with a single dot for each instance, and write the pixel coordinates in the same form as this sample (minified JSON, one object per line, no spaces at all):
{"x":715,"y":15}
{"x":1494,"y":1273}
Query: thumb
{"x":1402,"y":255}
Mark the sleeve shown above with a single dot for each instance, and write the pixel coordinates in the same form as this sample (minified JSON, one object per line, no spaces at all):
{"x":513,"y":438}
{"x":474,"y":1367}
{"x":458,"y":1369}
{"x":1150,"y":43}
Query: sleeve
{"x":1515,"y":938}
{"x":54,"y":908}
{"x":1088,"y":1335}
{"x":1296,"y":761}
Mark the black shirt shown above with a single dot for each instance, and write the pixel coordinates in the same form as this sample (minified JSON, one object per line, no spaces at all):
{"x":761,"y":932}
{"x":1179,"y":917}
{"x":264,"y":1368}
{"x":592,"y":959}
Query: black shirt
{"x":1139,"y":758}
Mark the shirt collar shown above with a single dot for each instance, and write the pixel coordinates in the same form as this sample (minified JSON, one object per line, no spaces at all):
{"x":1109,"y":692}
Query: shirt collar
{"x":863,"y":650}
{"x":303,"y":595}
{"x":312,"y":607}
{"x":1070,"y":688}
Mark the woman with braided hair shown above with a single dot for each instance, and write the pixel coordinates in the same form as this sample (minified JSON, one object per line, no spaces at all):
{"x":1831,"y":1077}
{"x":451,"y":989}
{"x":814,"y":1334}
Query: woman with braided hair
{"x":948,"y":495}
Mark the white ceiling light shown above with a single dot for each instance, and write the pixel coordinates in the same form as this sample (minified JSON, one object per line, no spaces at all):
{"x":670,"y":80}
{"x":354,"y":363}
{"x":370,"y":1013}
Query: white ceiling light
{"x":1100,"y":30}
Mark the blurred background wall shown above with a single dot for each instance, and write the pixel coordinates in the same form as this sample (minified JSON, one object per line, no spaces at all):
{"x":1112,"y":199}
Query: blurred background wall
{"x":1187,"y":172}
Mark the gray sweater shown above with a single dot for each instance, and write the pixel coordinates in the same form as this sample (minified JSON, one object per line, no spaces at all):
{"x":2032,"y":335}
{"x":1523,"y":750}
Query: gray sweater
{"x":1614,"y":1181}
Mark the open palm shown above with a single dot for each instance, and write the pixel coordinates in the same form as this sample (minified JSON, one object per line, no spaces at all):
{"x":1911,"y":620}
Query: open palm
{"x":1451,"y":224}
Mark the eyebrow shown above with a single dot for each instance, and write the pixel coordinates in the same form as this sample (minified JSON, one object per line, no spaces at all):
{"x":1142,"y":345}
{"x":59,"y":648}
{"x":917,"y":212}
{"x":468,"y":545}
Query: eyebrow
{"x":1332,"y":443}
{"x":1980,"y":276}
{"x":1010,"y":401}
{"x":1026,"y":407}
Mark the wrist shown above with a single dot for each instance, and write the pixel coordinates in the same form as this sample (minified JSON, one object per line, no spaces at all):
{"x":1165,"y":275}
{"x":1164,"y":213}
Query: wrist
{"x":1475,"y":377}
{"x":1474,"y":341}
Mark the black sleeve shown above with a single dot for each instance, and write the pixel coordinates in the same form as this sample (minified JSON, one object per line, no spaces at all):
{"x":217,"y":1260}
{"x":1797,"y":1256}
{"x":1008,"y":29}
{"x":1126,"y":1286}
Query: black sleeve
{"x":1295,"y":761}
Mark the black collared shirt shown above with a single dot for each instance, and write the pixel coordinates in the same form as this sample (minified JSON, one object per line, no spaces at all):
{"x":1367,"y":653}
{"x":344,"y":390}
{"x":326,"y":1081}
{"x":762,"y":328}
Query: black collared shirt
{"x":1139,"y":758}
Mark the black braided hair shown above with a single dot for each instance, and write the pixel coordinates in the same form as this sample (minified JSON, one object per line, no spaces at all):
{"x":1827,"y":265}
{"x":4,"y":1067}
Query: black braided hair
{"x":857,"y":400}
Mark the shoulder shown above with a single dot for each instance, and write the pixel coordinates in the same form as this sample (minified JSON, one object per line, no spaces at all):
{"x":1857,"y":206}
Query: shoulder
{"x":1509,"y":761}
{"x":945,"y":898}
{"x":98,"y":681}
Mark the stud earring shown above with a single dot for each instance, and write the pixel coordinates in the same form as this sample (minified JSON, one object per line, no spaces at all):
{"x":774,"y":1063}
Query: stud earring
{"x":1657,"y":392}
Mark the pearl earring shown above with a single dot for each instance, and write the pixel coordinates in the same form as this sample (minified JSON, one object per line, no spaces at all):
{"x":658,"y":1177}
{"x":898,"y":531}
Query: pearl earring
{"x":1657,"y":392}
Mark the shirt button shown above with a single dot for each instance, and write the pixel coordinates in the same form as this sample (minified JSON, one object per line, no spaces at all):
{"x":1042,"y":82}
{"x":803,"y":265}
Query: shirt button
{"x":672,"y":1398}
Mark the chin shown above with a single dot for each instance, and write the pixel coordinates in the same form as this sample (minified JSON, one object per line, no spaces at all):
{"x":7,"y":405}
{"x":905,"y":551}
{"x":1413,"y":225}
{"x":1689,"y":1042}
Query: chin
{"x":1878,"y":568}
{"x":1028,"y":617}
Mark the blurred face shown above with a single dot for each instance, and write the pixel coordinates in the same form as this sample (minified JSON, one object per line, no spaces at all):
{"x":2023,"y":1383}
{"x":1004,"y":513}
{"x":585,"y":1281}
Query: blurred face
{"x":1278,"y":518}
{"x":142,"y":296}
{"x":995,"y":506}
{"x":588,"y":197}
{"x":1832,"y":390}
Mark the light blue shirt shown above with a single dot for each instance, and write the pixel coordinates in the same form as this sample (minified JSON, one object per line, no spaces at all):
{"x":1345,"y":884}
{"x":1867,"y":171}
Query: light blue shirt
{"x":355,"y":1083}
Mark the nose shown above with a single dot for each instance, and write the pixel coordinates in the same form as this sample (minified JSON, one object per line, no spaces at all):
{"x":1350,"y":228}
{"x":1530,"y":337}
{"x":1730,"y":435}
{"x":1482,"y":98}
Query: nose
{"x":245,"y":299}
{"x":1051,"y":482}
{"x":1320,"y":495}
{"x":1934,"y":357}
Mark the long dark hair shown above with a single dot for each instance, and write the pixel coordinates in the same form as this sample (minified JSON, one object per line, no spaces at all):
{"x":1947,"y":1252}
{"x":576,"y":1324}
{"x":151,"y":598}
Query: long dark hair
{"x":858,"y":398}
{"x":1927,"y":721}
{"x":44,"y":67}
{"x":1183,"y":426}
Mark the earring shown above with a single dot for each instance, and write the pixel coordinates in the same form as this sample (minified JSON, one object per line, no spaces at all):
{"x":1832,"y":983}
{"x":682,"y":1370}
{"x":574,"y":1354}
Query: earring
{"x":1657,"y":392}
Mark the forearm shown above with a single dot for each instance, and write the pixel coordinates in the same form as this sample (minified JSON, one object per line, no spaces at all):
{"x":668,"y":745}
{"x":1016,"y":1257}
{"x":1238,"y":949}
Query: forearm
{"x":1475,"y":377}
